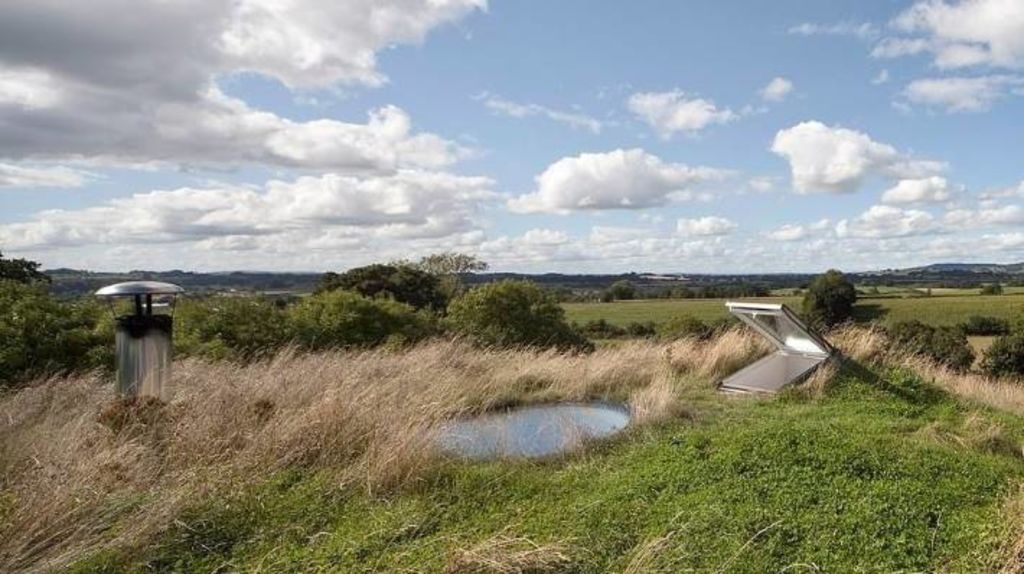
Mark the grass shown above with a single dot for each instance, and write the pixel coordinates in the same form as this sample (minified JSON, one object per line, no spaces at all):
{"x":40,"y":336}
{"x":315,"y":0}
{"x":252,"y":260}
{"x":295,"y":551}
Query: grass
{"x":322,"y":462}
{"x":935,"y":310}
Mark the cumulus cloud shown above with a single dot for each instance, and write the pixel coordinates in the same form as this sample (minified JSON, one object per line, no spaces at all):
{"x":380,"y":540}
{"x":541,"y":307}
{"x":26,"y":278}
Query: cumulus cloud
{"x":705,"y":226}
{"x":881,"y":78}
{"x":960,"y":33}
{"x":933,"y":189}
{"x":124,"y":82}
{"x":407,"y":204}
{"x":962,"y":94}
{"x":619,"y":179}
{"x":672,"y":112}
{"x":23,"y":176}
{"x":776,"y":90}
{"x":837,"y":160}
{"x":509,"y":108}
{"x":796,"y":232}
{"x":884,"y":221}
{"x":968,"y":218}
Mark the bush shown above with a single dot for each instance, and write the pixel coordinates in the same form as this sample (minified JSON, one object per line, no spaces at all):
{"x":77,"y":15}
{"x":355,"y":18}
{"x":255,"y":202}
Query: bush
{"x":40,"y":335}
{"x":403,"y":283}
{"x":988,"y":326}
{"x":992,"y":289}
{"x":513,"y":314}
{"x":683,"y":327}
{"x":601,"y":329}
{"x":621,"y":291}
{"x":945,"y":345}
{"x":229,"y":327}
{"x":1005,"y":357}
{"x":345,"y":319}
{"x":829,"y":300}
{"x":641,"y":329}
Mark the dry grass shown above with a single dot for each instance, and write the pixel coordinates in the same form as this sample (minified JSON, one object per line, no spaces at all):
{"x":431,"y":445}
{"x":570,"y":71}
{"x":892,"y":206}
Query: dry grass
{"x":75,"y":463}
{"x":505,"y":554}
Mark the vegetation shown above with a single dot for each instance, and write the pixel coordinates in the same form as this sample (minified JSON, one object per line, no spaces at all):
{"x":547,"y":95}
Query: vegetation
{"x":322,"y":462}
{"x":449,"y":267}
{"x":829,"y":300}
{"x":513,"y":314}
{"x":945,"y":345}
{"x":992,"y":289}
{"x":621,"y":291}
{"x":402,"y":282}
{"x":229,"y":327}
{"x":1005,"y":357}
{"x":683,"y":327}
{"x":345,"y":319}
{"x":21,"y":271}
{"x":986,"y":326}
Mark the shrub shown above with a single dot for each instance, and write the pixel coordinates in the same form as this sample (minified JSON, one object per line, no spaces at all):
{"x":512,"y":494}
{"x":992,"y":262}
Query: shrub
{"x":21,"y":271}
{"x":1005,"y":357}
{"x":981,"y":325}
{"x":346,"y":319}
{"x":992,"y":289}
{"x":945,"y":345}
{"x":601,"y":329}
{"x":641,"y":329}
{"x":512,"y":314}
{"x":829,"y":300}
{"x":229,"y":327}
{"x":403,"y":283}
{"x":40,"y":335}
{"x":683,"y":327}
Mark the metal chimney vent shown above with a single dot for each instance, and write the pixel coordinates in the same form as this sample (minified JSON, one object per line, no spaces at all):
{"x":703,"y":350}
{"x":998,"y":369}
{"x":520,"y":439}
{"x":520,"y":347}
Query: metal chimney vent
{"x":143,"y":337}
{"x":799,"y":350}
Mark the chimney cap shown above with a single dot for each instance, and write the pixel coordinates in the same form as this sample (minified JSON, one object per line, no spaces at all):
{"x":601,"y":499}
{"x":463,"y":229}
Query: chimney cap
{"x":130,"y":288}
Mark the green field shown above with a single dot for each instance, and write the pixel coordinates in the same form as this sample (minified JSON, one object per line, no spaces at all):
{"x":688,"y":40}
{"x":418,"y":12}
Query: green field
{"x":935,"y":310}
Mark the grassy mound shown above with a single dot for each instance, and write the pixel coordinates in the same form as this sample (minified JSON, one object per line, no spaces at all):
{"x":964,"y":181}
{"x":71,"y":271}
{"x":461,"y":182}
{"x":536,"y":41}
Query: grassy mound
{"x":872,"y":469}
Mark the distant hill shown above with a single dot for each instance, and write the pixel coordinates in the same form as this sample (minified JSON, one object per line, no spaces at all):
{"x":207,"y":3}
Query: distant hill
{"x":956,"y":268}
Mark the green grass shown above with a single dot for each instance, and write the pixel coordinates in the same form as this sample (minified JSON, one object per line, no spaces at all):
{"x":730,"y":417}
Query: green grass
{"x":936,"y":310}
{"x":859,"y":480}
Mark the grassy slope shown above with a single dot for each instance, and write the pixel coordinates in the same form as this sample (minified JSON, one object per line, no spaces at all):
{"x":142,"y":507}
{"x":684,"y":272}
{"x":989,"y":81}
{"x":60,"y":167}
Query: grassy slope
{"x":937,"y":310}
{"x":877,"y":475}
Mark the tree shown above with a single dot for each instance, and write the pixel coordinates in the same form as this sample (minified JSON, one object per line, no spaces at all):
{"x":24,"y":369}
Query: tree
{"x":622,"y":290}
{"x":513,"y":314}
{"x":1005,"y":357}
{"x":21,"y":271}
{"x":829,"y":299}
{"x":229,"y":327}
{"x":449,"y":267}
{"x":402,"y":282}
{"x":345,"y":319}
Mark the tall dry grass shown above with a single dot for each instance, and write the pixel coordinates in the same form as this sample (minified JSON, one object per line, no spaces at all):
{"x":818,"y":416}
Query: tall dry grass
{"x":75,"y":463}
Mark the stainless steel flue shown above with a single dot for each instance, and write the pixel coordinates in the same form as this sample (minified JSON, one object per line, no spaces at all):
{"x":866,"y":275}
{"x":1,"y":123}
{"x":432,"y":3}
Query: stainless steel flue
{"x":143,"y":337}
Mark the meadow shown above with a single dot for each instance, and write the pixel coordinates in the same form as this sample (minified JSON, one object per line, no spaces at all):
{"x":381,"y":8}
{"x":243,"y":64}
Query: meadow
{"x":323,"y":462}
{"x":938,"y":309}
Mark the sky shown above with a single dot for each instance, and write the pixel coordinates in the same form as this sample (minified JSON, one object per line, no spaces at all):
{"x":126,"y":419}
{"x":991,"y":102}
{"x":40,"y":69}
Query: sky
{"x":575,"y":136}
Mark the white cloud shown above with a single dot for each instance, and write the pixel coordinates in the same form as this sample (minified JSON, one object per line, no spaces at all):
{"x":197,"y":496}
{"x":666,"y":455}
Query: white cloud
{"x":796,"y":232}
{"x":967,"y":218}
{"x":21,"y":176}
{"x":883,"y":221}
{"x":407,"y":204}
{"x":961,"y":33}
{"x":881,"y":78}
{"x":671,"y":112}
{"x":705,"y":226}
{"x":1011,"y":191}
{"x":961,"y":94}
{"x":860,"y":30}
{"x":934,"y":189}
{"x":776,"y":90}
{"x":837,"y":160}
{"x":506,"y":107}
{"x":120,"y":81}
{"x":619,"y":179}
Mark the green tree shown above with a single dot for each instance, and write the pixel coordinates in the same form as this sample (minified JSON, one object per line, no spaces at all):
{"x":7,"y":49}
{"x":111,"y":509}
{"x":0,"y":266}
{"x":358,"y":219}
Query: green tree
{"x":402,"y":282}
{"x":40,"y":335}
{"x":829,"y":299}
{"x":513,"y":314}
{"x":622,"y":290}
{"x":449,"y":267}
{"x":346,"y":319}
{"x":21,"y":270}
{"x":229,"y":327}
{"x":992,"y":289}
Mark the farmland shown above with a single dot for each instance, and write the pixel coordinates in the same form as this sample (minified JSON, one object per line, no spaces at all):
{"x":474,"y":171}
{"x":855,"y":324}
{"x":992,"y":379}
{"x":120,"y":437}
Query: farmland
{"x":944,"y":309}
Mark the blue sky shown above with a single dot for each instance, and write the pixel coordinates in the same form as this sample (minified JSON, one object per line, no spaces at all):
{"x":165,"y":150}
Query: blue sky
{"x":564,"y":136}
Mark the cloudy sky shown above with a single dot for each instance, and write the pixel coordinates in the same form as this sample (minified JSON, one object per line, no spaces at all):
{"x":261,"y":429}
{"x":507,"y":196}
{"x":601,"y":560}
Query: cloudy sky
{"x":573,"y":136}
